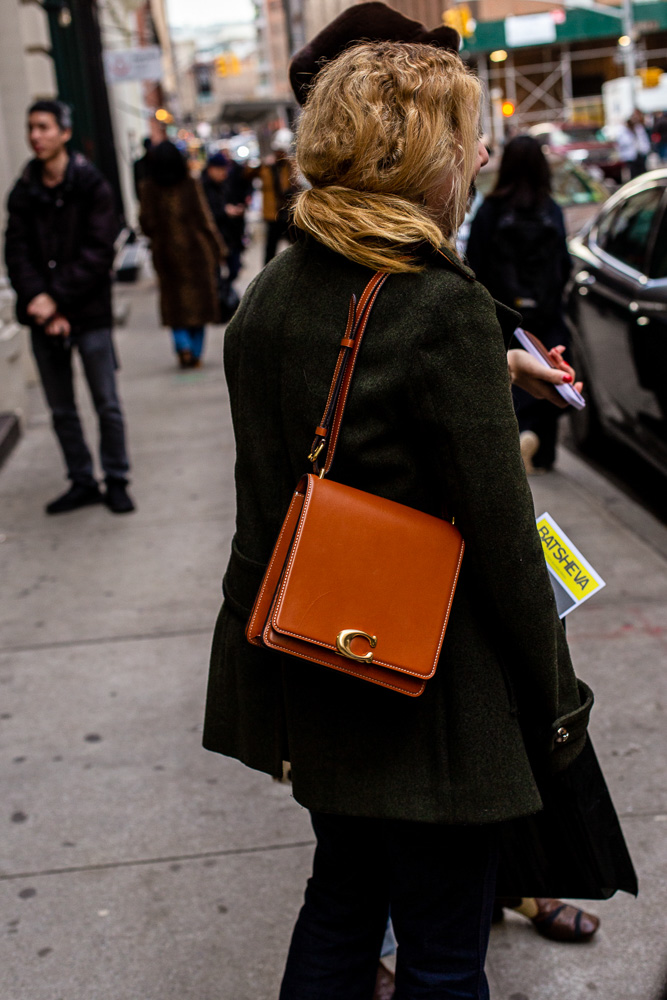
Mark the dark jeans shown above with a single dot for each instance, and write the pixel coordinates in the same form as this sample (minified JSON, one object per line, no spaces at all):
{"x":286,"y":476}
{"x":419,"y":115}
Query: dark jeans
{"x":54,"y":361}
{"x":275,"y":232}
{"x":234,"y":264}
{"x":540,"y":416}
{"x":637,"y":166}
{"x":439,"y":882}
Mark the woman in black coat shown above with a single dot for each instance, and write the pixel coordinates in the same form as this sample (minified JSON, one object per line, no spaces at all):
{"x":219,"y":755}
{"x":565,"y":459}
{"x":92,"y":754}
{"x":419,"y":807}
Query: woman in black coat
{"x":518,"y":249}
{"x":405,"y":794}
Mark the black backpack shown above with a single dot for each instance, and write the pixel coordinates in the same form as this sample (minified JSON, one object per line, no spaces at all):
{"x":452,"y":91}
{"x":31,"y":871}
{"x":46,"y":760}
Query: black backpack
{"x":527,"y":264}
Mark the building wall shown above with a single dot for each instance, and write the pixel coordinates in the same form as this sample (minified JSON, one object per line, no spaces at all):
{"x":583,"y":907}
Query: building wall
{"x":24,"y":76}
{"x":318,"y":13}
{"x":119,"y":30}
{"x":26,"y":73}
{"x":276,"y":48}
{"x":496,"y":10}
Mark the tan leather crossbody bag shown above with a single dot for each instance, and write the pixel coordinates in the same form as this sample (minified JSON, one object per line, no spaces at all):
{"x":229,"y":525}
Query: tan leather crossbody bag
{"x":357,"y":582}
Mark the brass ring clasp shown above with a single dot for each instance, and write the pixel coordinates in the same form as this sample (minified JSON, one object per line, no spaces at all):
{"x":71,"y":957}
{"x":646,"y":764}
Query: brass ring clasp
{"x":344,"y":639}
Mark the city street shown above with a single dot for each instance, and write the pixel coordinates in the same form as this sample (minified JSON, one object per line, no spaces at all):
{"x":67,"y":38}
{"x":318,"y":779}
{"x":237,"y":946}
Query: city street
{"x":134,"y":865}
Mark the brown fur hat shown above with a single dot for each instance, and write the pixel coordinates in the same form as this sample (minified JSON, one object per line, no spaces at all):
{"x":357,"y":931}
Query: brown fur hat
{"x":363,"y":22}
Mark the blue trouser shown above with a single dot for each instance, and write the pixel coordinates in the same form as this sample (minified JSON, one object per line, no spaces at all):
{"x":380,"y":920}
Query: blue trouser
{"x":54,"y":362}
{"x":189,"y":338}
{"x":439,"y":882}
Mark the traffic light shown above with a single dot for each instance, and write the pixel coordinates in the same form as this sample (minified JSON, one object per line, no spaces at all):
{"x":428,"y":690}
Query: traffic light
{"x":202,"y":74}
{"x":508,"y":109}
{"x":227,"y":64}
{"x":460,"y":18}
{"x":650,"y":76}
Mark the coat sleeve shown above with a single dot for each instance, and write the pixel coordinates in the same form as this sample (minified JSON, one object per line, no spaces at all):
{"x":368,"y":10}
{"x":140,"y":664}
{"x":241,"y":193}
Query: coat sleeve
{"x":25,"y":278}
{"x":467,"y":423}
{"x":76,"y":279}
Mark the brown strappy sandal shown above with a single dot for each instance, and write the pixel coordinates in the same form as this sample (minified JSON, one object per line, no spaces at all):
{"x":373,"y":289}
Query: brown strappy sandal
{"x":559,"y":921}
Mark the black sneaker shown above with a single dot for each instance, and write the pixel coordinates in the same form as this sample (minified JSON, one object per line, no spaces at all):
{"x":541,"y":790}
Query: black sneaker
{"x":78,"y":495}
{"x":117,"y":498}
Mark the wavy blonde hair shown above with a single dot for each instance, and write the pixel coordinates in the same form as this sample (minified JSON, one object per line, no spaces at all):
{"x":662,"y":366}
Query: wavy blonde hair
{"x":388,"y":140}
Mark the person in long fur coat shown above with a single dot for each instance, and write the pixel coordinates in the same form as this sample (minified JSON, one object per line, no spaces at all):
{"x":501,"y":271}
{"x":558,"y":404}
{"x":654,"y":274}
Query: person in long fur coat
{"x":187,"y":250}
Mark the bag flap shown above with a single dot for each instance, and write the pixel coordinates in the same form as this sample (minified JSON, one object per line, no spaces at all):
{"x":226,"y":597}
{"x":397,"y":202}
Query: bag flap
{"x":366,"y":576}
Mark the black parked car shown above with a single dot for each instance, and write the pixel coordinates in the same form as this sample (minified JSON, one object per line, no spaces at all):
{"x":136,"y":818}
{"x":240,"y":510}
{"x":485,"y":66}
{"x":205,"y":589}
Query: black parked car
{"x":618,"y":314}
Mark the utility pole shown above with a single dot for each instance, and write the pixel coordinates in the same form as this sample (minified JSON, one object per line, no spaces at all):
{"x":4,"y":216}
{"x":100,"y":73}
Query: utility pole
{"x":629,"y":60}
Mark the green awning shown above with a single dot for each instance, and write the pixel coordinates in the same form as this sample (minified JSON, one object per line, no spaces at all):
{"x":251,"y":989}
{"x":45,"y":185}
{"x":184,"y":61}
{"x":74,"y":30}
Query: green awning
{"x":579,"y":26}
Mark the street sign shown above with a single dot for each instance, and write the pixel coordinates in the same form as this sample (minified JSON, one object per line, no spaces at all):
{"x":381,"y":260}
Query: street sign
{"x":529,"y":29}
{"x":123,"y":65}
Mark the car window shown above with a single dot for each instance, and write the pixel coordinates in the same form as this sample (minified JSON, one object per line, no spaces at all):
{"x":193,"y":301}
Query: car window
{"x":569,"y":187}
{"x":624,"y":232}
{"x":582,"y":135}
{"x":658,"y":262}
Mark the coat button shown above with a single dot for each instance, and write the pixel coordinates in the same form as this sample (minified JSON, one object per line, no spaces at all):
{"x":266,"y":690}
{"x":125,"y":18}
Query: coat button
{"x":52,"y":264}
{"x":562,"y":735}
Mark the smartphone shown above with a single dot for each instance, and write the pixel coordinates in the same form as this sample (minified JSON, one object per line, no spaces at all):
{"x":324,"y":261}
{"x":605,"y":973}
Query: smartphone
{"x":535,"y":347}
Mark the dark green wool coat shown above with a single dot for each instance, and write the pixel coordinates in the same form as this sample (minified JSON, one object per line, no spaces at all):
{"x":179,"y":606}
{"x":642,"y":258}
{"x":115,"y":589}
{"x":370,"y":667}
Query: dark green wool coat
{"x":429,"y":423}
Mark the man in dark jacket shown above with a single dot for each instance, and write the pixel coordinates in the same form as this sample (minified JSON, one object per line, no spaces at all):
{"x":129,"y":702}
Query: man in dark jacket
{"x":59,"y":248}
{"x":227,"y":191}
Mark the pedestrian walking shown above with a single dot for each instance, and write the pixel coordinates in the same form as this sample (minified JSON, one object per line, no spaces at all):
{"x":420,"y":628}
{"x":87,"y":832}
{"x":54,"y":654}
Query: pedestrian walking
{"x":59,"y":249}
{"x":278,"y":190}
{"x":518,"y":250}
{"x":660,"y":135}
{"x":140,"y":165}
{"x":634,"y":145}
{"x":186,"y":247}
{"x":404,"y":793}
{"x":227,"y":194}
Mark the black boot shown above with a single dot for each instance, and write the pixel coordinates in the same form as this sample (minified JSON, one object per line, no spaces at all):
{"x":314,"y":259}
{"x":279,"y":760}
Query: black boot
{"x":78,"y":495}
{"x":117,"y":498}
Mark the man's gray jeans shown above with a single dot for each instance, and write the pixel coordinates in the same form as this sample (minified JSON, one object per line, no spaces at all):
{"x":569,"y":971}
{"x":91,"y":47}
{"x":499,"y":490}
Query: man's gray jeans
{"x":54,"y":361}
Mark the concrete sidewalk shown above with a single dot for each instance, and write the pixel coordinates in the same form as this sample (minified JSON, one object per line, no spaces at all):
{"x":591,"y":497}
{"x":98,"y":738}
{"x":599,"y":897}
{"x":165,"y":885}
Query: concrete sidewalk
{"x":136,"y":866}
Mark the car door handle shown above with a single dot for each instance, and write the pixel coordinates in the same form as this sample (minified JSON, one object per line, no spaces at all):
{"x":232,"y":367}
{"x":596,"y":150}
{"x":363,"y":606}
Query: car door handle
{"x":605,"y":292}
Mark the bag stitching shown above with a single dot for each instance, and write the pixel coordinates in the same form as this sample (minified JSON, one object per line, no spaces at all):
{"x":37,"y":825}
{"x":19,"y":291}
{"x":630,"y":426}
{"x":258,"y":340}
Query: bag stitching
{"x":258,"y":600}
{"x":324,"y":645}
{"x":345,"y":670}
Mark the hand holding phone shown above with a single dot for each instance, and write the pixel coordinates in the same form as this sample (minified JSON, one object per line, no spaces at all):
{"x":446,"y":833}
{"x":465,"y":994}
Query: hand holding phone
{"x":536,"y":348}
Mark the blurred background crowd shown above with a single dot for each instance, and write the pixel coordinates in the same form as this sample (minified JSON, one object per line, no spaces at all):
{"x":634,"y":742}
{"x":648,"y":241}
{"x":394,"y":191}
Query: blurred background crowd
{"x":585,"y":79}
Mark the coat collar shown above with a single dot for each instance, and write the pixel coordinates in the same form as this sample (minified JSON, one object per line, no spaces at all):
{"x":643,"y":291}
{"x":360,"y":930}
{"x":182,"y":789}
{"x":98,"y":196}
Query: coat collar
{"x":453,"y":260}
{"x":32,"y":176}
{"x":507,"y":318}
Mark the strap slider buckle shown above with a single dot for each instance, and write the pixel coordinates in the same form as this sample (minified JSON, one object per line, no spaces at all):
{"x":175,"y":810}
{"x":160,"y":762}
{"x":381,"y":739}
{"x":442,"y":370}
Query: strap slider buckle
{"x":315,"y":453}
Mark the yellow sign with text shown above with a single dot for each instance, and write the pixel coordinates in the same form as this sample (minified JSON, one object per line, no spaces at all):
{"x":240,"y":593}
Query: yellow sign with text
{"x":572,"y":574}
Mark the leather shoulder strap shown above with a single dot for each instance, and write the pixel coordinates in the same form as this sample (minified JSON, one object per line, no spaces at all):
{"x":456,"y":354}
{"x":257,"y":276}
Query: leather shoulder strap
{"x":326,"y":435}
